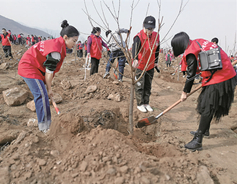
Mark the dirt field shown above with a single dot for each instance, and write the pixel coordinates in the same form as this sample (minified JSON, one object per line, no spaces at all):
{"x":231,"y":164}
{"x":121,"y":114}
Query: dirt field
{"x":89,"y":141}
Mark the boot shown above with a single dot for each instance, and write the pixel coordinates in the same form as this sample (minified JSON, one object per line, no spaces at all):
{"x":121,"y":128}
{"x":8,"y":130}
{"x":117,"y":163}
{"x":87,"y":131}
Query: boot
{"x":196,"y":143}
{"x":206,"y":134}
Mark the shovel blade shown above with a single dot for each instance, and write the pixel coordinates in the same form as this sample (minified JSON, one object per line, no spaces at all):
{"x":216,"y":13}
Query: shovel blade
{"x":146,"y":122}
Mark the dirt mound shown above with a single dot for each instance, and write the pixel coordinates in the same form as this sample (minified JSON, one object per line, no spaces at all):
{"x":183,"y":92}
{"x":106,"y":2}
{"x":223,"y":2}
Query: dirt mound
{"x":105,"y":87}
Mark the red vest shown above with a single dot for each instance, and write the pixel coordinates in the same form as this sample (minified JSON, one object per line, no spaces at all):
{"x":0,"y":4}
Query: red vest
{"x":227,"y":72}
{"x":14,"y":37}
{"x":183,"y":65}
{"x":85,"y":46}
{"x":5,"y":41}
{"x":144,"y":53}
{"x":32,"y":61}
{"x":96,"y":47}
{"x":32,"y":39}
{"x":39,"y":39}
{"x":19,"y":36}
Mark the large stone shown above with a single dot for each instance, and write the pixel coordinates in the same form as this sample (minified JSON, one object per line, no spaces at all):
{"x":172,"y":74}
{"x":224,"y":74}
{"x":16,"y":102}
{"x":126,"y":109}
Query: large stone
{"x":203,"y":176}
{"x":4,"y":66}
{"x":15,"y":96}
{"x":117,"y":98}
{"x":31,"y":105}
{"x":91,"y":89}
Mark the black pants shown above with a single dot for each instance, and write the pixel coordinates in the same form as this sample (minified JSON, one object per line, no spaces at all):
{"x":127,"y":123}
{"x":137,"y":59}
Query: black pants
{"x":143,"y":86}
{"x":7,"y":51}
{"x":85,"y":53}
{"x":94,"y":65}
{"x":80,"y":53}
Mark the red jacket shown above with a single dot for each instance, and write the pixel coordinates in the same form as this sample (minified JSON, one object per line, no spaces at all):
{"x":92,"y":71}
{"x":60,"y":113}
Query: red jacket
{"x":227,"y":72}
{"x":5,"y":41}
{"x":144,"y":53}
{"x":96,"y":47}
{"x":31,"y":63}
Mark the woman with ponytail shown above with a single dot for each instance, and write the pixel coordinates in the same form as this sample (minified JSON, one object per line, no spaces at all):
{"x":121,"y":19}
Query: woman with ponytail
{"x":38,"y":66}
{"x":94,"y":49}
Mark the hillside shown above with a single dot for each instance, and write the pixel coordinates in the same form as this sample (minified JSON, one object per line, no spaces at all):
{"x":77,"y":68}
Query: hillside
{"x":16,"y":28}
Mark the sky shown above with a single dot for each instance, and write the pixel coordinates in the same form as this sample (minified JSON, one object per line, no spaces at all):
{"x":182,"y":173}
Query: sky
{"x":199,"y":18}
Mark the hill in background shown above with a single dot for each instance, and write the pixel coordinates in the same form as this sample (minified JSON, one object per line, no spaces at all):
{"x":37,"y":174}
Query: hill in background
{"x":17,"y":28}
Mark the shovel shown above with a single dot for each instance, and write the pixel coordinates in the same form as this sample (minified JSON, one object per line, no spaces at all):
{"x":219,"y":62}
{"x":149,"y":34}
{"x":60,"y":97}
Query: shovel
{"x":152,"y":119}
{"x":55,"y":105}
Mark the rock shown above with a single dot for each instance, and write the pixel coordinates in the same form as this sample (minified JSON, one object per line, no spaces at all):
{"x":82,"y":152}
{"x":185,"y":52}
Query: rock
{"x":119,"y":180}
{"x":4,"y":175}
{"x":15,"y":96}
{"x":31,"y":105}
{"x":66,"y":84}
{"x":20,"y":137}
{"x":111,"y":171}
{"x":116,"y":82}
{"x":57,"y":98}
{"x":124,"y":169}
{"x":83,"y":166}
{"x":55,"y":153}
{"x":110,"y":97}
{"x":203,"y":176}
{"x":4,"y":66}
{"x":154,"y":171}
{"x":32,"y":122}
{"x":41,"y":162}
{"x":167,"y":177}
{"x":75,"y":175}
{"x":91,"y":89}
{"x":117,"y":98}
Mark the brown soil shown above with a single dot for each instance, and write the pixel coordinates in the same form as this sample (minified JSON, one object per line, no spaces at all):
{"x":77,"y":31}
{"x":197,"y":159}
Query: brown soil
{"x":89,"y":141}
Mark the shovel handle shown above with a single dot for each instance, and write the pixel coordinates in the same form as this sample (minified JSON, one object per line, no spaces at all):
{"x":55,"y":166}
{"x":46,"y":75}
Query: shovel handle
{"x":176,"y":103}
{"x":55,"y":105}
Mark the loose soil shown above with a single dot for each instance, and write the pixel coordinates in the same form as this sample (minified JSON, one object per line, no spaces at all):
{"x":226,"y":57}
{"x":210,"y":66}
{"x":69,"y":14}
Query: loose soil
{"x":90,"y":142}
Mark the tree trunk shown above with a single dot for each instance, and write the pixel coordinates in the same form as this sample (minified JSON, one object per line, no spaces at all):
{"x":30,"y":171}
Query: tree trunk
{"x":131,"y":109}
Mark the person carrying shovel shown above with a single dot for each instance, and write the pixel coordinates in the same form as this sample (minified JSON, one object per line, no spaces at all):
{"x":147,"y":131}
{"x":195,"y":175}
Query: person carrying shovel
{"x":38,"y":66}
{"x":218,"y":85}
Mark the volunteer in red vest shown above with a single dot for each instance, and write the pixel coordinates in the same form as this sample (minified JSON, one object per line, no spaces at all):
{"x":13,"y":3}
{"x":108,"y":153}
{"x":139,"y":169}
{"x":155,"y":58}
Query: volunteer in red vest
{"x":85,"y":48}
{"x":79,"y":50}
{"x":28,"y":41}
{"x":38,"y":66}
{"x":94,"y":49}
{"x":218,"y":86}
{"x":6,"y":45}
{"x":14,"y":39}
{"x":32,"y":40}
{"x":141,"y":50}
{"x":19,"y":38}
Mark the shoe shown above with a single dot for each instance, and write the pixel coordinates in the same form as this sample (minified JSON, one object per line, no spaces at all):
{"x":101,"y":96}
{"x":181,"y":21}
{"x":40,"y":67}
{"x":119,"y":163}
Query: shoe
{"x":206,"y":134}
{"x":148,"y":107}
{"x":120,"y":80}
{"x":45,"y":131}
{"x":196,"y":143}
{"x":142,"y":108}
{"x":106,"y":75}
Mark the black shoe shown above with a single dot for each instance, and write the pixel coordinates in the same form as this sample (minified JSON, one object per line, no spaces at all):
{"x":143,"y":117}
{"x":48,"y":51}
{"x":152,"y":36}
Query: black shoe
{"x":196,"y":143}
{"x":206,"y":134}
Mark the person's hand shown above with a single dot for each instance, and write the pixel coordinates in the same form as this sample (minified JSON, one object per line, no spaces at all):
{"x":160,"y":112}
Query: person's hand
{"x":88,"y":55}
{"x":183,"y":96}
{"x":135,"y":63}
{"x":156,"y":65}
{"x":50,"y":93}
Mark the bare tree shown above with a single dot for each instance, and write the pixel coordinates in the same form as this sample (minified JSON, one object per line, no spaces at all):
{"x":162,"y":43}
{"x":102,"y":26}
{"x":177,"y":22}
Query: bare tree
{"x":116,"y":15}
